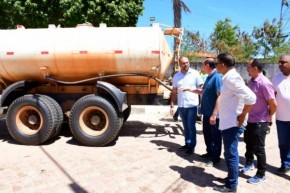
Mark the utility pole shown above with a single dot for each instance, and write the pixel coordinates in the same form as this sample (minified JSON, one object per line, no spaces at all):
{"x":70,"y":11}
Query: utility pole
{"x":284,"y":17}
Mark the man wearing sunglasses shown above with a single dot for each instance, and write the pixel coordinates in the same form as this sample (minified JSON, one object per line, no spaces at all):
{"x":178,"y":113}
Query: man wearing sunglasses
{"x":281,"y":83}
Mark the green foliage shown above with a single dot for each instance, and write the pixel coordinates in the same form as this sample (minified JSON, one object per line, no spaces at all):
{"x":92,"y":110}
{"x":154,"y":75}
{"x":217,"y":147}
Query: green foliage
{"x":192,"y":42}
{"x":247,"y":48}
{"x":269,"y":37}
{"x":228,"y":38}
{"x":69,"y":13}
{"x":278,"y":51}
{"x":224,"y":38}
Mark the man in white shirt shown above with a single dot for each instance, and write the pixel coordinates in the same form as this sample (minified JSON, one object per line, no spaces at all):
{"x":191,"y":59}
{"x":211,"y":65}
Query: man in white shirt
{"x":184,"y":83}
{"x":281,"y":83}
{"x":236,"y":99}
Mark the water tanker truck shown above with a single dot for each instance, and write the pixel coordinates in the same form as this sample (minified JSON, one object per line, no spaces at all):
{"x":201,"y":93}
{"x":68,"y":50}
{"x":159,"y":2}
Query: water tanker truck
{"x":89,"y":76}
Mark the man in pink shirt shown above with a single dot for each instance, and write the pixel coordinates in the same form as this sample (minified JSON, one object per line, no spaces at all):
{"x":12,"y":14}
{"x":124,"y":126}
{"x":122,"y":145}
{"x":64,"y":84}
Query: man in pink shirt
{"x":260,"y":117}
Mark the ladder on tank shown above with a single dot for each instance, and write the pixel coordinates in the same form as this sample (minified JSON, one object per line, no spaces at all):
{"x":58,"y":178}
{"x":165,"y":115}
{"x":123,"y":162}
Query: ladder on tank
{"x":177,"y":33}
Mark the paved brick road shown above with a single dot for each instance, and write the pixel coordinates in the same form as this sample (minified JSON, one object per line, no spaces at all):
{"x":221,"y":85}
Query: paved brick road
{"x":144,"y":159}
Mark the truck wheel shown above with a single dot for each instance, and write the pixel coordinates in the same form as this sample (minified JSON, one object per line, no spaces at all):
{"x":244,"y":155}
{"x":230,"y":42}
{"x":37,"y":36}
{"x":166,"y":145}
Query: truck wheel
{"x":59,"y":115}
{"x":94,"y":121}
{"x":127,"y":113}
{"x":30,"y":121}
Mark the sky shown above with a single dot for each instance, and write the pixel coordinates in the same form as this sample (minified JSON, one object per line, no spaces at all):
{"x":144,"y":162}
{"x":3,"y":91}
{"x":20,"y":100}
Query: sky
{"x":204,"y":15}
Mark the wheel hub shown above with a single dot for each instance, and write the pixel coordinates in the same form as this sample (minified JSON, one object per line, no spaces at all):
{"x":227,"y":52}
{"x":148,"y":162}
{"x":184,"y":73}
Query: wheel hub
{"x":95,"y":120}
{"x":32,"y":120}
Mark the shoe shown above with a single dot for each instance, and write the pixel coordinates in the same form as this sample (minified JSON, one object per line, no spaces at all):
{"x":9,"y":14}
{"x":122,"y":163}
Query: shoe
{"x":206,"y":155}
{"x":222,"y":180}
{"x":183,"y":148}
{"x":189,"y":151}
{"x":247,"y":168}
{"x":199,"y":118}
{"x":256,"y":180}
{"x":268,"y":130}
{"x":175,"y":118}
{"x":282,"y":171}
{"x":223,"y":189}
{"x":211,"y":164}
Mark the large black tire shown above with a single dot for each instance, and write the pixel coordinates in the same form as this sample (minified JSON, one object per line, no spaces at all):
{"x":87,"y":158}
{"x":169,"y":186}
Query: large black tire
{"x":94,"y":121}
{"x":127,"y":113}
{"x":30,"y":120}
{"x":58,"y":115}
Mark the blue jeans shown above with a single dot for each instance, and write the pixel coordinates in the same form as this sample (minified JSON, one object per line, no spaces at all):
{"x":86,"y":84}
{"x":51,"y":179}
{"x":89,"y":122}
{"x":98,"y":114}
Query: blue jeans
{"x":231,"y":140}
{"x":213,"y":138}
{"x":188,"y":117}
{"x":283,"y":129}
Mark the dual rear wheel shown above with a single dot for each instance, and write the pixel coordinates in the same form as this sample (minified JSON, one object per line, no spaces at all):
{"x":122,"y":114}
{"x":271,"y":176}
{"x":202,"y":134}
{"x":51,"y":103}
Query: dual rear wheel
{"x":93,"y":120}
{"x":33,"y":119}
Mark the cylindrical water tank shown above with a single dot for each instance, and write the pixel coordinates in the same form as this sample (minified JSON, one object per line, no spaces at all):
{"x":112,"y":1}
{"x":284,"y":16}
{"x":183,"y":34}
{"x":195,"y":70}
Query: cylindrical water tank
{"x":73,"y":54}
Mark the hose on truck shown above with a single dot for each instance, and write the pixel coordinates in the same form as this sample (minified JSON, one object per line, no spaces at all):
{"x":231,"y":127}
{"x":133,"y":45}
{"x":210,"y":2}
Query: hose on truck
{"x":106,"y":76}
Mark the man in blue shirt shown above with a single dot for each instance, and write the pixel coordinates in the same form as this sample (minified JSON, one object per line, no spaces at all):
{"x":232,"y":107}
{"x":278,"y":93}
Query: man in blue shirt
{"x":209,"y":109}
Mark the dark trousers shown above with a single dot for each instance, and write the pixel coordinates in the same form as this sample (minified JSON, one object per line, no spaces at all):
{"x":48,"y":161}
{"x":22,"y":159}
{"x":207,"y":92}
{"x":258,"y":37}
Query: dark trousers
{"x":213,"y":138}
{"x":254,"y":137}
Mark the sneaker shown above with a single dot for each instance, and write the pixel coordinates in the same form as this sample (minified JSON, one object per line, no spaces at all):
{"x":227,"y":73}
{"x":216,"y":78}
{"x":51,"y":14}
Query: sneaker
{"x":268,"y":130}
{"x":222,"y":180}
{"x":256,"y":180}
{"x":223,"y":189}
{"x":183,"y":148}
{"x":247,"y":168}
{"x":282,"y":171}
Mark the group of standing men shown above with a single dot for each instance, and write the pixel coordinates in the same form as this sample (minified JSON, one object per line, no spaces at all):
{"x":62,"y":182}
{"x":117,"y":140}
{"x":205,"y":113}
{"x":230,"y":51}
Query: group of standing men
{"x":229,"y":107}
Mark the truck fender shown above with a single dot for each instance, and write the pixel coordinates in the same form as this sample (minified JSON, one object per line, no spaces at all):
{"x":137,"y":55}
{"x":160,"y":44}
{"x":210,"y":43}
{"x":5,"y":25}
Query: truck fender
{"x":6,"y":93}
{"x":118,"y":96}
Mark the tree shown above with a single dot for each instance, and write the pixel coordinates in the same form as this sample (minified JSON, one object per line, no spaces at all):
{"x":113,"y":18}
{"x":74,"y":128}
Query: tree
{"x":224,"y":36}
{"x":228,"y":38}
{"x":178,"y":6}
{"x":69,"y":13}
{"x":192,"y":42}
{"x":268,"y":37}
{"x":247,"y":46}
{"x":284,"y":48}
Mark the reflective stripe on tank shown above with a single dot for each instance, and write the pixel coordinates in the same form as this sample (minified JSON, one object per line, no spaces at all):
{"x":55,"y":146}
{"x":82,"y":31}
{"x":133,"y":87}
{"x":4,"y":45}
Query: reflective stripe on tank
{"x":155,"y":52}
{"x":9,"y":53}
{"x":114,"y":52}
{"x":80,"y":52}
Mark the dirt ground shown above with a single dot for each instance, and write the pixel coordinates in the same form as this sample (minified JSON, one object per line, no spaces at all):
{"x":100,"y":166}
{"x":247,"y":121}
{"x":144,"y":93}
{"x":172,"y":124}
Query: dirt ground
{"x":144,"y":159}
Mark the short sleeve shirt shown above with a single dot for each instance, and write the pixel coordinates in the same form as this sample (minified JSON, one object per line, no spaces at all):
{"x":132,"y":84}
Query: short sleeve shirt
{"x":282,"y":88}
{"x":211,"y":89}
{"x":191,"y":79}
{"x":264,"y":91}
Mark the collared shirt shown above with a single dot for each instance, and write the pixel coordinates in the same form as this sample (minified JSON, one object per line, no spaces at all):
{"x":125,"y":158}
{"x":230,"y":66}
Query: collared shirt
{"x":234,"y":95}
{"x":191,"y":79}
{"x":264,"y":91}
{"x":282,"y":88}
{"x":211,"y":89}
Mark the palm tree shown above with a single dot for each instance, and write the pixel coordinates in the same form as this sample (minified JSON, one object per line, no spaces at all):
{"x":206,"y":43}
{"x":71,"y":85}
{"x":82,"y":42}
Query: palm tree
{"x":178,"y":6}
